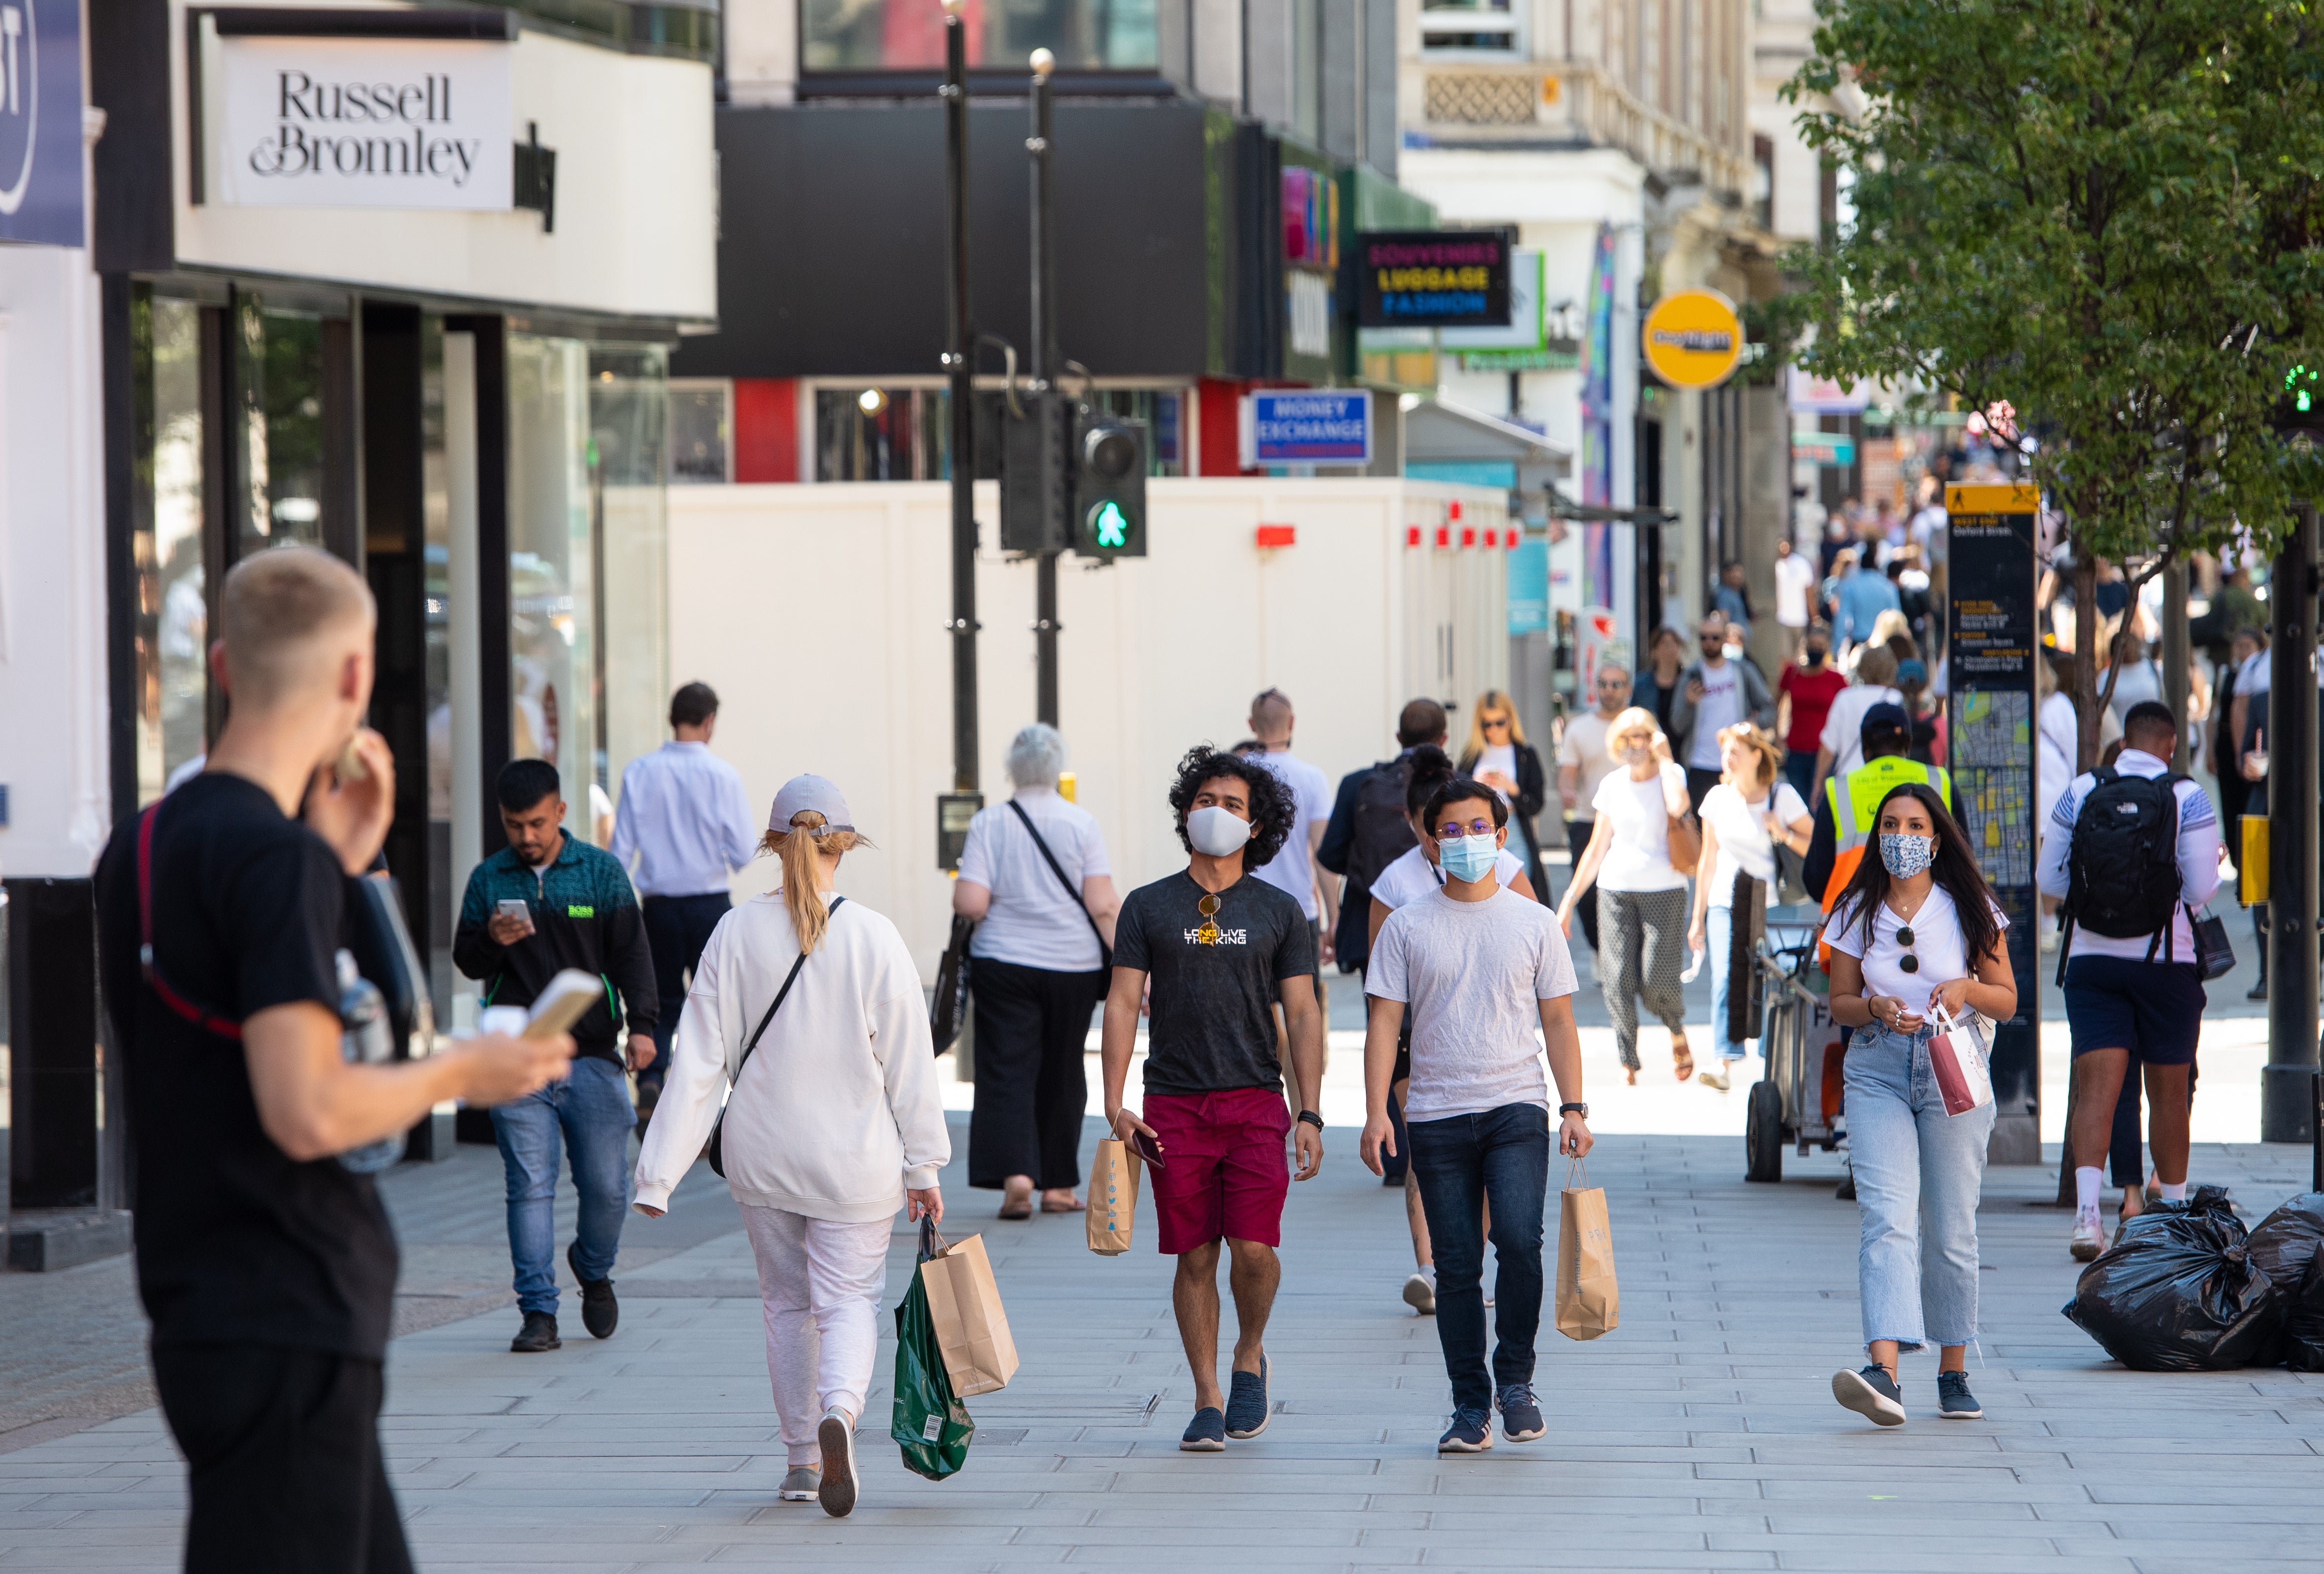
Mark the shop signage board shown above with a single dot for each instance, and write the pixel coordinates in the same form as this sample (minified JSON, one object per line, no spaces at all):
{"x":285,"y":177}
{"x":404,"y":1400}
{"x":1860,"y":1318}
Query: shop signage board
{"x":339,"y":122}
{"x":40,"y":123}
{"x":1992,"y":641}
{"x":1831,"y":449}
{"x":1457,"y":278}
{"x":1693,"y":338}
{"x":1306,"y":426}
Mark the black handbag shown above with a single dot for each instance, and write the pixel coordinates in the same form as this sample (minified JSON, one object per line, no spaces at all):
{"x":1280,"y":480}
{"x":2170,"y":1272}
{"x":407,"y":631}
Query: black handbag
{"x":949,"y":1005}
{"x":2214,"y":957}
{"x":1104,"y":951}
{"x":717,"y":1150}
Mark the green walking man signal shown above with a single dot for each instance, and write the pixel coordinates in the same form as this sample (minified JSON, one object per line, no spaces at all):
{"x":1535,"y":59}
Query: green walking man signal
{"x":1107,"y":528}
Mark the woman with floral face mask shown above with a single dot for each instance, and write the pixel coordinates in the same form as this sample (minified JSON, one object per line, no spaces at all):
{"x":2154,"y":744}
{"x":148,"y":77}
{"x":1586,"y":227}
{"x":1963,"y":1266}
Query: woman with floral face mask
{"x":1915,"y":933}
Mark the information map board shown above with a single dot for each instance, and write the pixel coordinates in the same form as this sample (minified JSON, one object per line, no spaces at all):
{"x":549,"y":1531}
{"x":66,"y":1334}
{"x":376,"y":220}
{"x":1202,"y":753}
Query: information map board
{"x":1991,"y":643}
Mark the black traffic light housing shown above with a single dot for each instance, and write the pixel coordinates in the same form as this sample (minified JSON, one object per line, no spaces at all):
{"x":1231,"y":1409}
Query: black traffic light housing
{"x":1109,"y":492}
{"x":1036,"y":475}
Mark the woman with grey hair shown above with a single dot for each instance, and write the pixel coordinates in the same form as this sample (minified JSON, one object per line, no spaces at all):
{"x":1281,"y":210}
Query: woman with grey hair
{"x":1033,"y":874}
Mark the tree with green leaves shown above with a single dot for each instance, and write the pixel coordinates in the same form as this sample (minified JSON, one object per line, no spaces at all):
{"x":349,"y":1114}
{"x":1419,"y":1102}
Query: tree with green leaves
{"x":2109,"y":214}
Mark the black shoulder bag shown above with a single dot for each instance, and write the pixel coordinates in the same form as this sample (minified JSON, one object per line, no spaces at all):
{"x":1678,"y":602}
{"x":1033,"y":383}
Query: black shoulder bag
{"x":1104,"y":951}
{"x":717,"y":1150}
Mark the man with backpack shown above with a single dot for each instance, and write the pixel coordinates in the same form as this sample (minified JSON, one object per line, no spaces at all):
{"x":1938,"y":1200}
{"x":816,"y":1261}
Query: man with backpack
{"x":2135,"y":850}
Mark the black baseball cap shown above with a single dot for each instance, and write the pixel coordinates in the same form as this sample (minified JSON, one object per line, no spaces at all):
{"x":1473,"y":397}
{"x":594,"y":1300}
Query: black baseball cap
{"x":1885,"y":724}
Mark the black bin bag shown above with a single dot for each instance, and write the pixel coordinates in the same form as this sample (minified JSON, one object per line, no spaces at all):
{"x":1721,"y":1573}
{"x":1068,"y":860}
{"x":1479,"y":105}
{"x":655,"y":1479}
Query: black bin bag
{"x":2178,"y":1292}
{"x":2288,"y":1247}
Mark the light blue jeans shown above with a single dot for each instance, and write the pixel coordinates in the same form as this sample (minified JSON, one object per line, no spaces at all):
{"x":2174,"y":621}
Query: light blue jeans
{"x":591,"y":1110}
{"x":1918,"y":1171}
{"x":1718,"y":932}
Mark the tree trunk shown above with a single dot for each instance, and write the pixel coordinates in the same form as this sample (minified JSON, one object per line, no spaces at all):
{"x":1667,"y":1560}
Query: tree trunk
{"x":2085,"y":658}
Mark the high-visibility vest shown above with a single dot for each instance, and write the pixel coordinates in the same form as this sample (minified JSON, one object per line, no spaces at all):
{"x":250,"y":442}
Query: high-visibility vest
{"x":1855,"y":801}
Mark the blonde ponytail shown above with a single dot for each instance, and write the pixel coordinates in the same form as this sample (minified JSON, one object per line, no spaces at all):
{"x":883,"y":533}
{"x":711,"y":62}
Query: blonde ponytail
{"x":800,"y":850}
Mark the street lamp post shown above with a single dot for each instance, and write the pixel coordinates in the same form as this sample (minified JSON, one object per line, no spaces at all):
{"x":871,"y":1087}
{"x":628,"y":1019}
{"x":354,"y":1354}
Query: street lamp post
{"x":1046,"y":395}
{"x":960,"y":335}
{"x":2287,"y":1087}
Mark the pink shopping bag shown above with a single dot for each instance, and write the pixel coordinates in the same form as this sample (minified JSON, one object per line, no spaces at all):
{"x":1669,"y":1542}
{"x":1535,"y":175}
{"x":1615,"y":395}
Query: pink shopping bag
{"x":1958,"y":1059}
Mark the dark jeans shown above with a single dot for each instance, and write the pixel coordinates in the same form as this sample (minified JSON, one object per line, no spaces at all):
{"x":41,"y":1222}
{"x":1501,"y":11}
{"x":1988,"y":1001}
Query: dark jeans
{"x":1462,"y":1162}
{"x":1699,"y":783}
{"x":1577,"y":841}
{"x":1032,"y":1024}
{"x":1799,"y":770}
{"x":677,"y":928}
{"x":283,"y":1460}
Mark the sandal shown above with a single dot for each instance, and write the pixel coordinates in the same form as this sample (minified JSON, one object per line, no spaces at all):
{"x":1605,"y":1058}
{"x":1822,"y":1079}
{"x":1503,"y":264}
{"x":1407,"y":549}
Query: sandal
{"x":1682,"y":1060}
{"x":1016,"y":1204}
{"x":1071,"y":1204}
{"x":1630,"y":1076}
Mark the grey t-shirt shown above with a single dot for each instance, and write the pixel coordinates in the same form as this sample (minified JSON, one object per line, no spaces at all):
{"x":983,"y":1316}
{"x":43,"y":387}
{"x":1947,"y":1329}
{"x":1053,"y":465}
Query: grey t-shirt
{"x":1471,"y":976}
{"x":1212,"y":1026}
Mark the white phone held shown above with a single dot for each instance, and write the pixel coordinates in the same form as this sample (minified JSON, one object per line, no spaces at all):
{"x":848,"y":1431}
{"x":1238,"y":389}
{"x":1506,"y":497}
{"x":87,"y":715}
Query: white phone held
{"x":566,"y":1000}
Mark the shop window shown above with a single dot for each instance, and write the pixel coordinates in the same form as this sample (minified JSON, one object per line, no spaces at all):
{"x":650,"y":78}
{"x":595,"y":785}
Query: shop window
{"x":1490,"y":27}
{"x":905,"y":434}
{"x":908,"y":35}
{"x":701,"y":432}
{"x":172,"y":625}
{"x":279,"y":377}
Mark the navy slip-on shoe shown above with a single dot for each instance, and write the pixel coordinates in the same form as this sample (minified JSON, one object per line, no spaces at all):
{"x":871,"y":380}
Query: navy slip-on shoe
{"x":1246,"y":1412}
{"x":1206,"y":1433}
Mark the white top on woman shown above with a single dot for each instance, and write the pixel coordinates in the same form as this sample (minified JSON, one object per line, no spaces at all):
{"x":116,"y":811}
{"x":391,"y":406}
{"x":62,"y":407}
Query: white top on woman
{"x":1412,"y":876}
{"x":1937,"y":945}
{"x":838,"y":1112}
{"x":1035,"y":922}
{"x":1741,"y":827}
{"x":1639,"y":858}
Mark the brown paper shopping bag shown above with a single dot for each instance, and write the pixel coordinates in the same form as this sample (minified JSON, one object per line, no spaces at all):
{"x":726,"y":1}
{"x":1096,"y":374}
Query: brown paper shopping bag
{"x":1113,"y":1196}
{"x":1589,"y":1303}
{"x":972,"y":1329}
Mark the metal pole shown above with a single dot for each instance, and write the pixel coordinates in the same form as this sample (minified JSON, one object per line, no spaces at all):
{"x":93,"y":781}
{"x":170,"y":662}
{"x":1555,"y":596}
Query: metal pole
{"x":960,"y":336}
{"x":2176,"y":656}
{"x":1046,"y":396}
{"x":2287,"y":1089}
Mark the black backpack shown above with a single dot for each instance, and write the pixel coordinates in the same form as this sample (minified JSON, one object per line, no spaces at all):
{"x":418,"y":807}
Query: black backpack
{"x":1381,"y":833}
{"x":2124,"y":862}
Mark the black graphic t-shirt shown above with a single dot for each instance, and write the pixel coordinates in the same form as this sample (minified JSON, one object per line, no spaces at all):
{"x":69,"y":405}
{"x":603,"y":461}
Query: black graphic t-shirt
{"x":1213,"y":1027}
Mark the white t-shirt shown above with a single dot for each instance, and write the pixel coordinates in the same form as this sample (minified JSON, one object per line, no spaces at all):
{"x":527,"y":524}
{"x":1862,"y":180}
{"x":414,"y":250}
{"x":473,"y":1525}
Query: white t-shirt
{"x":1411,"y":876}
{"x":1639,"y":859}
{"x":1584,"y":749}
{"x":1937,"y":944}
{"x":1744,"y":844}
{"x":1499,"y":757}
{"x":1034,"y":921}
{"x":1721,"y":706}
{"x":1845,"y":721}
{"x":2254,"y":676}
{"x":1472,"y":975}
{"x":2138,"y":682}
{"x":1289,"y":870}
{"x":1795,"y":578}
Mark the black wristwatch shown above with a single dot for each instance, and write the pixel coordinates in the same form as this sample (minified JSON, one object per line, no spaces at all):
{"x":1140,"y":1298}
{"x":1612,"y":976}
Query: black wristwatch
{"x":1311,"y":1118}
{"x":1581,"y":1109}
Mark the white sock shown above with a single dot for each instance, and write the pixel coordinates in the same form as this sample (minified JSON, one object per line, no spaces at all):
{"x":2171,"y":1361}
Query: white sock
{"x":1428,"y":1271}
{"x":2174,"y":1193}
{"x":2088,"y":1181}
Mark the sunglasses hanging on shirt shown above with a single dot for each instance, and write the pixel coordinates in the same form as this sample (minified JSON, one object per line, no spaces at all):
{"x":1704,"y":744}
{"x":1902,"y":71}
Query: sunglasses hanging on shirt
{"x":1908,"y":962}
{"x":1208,"y":935}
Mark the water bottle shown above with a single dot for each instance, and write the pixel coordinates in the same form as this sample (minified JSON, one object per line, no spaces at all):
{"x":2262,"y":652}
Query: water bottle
{"x":365,"y":1040}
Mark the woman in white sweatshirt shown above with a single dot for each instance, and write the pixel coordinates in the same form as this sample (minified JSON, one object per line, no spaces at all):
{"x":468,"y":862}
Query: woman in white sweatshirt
{"x":835,"y":1123}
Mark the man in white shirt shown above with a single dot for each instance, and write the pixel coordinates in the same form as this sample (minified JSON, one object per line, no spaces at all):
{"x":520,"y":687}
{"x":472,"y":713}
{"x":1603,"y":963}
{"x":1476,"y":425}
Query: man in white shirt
{"x":1713,"y":693}
{"x":1294,"y":870}
{"x":1583,"y":763}
{"x":683,"y":826}
{"x":1795,"y":581}
{"x":2131,"y":997}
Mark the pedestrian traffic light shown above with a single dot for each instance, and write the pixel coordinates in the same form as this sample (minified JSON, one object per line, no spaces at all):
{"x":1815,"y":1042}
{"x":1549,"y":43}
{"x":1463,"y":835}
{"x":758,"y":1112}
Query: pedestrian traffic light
{"x":1110,"y":490}
{"x":1036,"y":482}
{"x":2301,"y":406}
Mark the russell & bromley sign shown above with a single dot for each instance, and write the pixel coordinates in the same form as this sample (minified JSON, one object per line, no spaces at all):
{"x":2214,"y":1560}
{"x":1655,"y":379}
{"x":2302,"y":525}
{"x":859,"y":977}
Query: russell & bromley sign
{"x":339,"y":121}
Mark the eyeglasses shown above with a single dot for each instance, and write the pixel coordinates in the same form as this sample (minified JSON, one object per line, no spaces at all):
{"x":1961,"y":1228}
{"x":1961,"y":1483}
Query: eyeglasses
{"x":1908,"y":962}
{"x":1492,"y":722}
{"x":1453,"y":830}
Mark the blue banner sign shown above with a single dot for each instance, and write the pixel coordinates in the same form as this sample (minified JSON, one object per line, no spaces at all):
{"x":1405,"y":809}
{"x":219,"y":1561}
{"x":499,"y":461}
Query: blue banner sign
{"x":1308,"y":426}
{"x":40,"y":123}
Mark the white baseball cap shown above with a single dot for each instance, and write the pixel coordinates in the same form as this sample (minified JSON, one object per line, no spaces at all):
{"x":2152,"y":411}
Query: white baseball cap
{"x":801,"y":794}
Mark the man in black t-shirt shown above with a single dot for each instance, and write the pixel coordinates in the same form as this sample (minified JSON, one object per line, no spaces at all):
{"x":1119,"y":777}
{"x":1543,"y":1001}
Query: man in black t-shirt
{"x":267,"y":1268}
{"x":1220,"y":949}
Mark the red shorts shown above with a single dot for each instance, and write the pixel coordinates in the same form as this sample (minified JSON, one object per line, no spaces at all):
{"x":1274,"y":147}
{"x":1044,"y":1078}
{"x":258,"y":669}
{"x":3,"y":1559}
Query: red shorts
{"x":1224,"y":1169}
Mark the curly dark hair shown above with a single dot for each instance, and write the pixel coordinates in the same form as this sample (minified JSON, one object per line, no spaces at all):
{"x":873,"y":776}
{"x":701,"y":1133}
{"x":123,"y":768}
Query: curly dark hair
{"x":1272,"y":811}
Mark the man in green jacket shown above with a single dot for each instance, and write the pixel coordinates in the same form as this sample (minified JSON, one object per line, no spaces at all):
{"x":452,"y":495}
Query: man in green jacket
{"x":547,"y":902}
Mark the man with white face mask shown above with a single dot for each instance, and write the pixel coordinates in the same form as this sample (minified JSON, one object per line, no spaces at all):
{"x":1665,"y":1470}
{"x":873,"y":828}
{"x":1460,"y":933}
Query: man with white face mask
{"x":1219,"y":949}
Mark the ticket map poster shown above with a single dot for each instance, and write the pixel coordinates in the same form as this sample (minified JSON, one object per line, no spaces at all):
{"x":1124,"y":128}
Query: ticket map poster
{"x":1990,"y":645}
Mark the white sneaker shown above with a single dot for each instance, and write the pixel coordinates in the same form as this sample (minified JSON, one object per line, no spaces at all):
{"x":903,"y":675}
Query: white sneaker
{"x":2049,"y":941}
{"x":1714,"y":1076}
{"x":2089,"y":1237}
{"x":1420,"y":1293}
{"x":835,"y":1435}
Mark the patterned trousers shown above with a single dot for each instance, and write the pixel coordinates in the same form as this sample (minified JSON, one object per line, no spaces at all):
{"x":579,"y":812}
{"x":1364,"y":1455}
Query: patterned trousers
{"x":1643,"y":954}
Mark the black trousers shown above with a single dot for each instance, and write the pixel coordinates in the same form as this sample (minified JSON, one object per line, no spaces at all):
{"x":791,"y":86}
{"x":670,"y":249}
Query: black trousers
{"x":1031,"y":1087}
{"x":677,"y":928}
{"x":283,"y":1460}
{"x":1577,"y":839}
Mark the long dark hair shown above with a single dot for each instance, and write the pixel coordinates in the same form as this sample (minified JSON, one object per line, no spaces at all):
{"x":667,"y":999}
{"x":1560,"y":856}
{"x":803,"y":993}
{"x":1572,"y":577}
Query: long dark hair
{"x":1430,"y":768}
{"x":1954,"y":870}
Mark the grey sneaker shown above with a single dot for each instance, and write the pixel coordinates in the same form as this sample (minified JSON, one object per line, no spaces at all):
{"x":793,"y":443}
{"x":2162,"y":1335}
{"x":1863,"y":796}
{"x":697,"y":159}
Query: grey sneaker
{"x":1871,"y":1394}
{"x":799,"y":1484}
{"x":1521,"y":1420}
{"x":1954,"y":1401}
{"x":835,"y":1435}
{"x":1471,"y":1433}
{"x":1247,"y":1411}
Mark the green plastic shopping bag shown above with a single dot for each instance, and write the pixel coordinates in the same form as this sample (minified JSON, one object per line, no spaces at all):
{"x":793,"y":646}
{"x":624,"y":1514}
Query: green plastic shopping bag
{"x":929,"y":1423}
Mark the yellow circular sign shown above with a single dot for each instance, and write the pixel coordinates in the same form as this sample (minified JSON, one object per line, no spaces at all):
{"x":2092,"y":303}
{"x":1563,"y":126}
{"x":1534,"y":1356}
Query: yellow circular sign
{"x":1693,"y":338}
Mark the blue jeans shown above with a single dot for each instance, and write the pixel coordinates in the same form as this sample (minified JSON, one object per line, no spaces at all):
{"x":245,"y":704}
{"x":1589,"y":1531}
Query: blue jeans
{"x":591,"y":1107}
{"x":1460,"y":1162}
{"x":1918,"y":1171}
{"x":1799,"y":770}
{"x":1718,"y":933}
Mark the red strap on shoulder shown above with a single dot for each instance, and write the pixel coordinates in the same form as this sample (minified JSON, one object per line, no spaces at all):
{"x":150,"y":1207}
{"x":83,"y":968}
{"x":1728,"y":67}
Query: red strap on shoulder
{"x":169,"y":997}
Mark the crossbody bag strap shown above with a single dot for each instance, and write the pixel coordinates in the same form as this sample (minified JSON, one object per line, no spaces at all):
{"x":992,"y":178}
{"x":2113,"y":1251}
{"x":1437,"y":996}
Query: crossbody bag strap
{"x":776,"y":1005}
{"x":1058,"y":869}
{"x":207,"y":1021}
